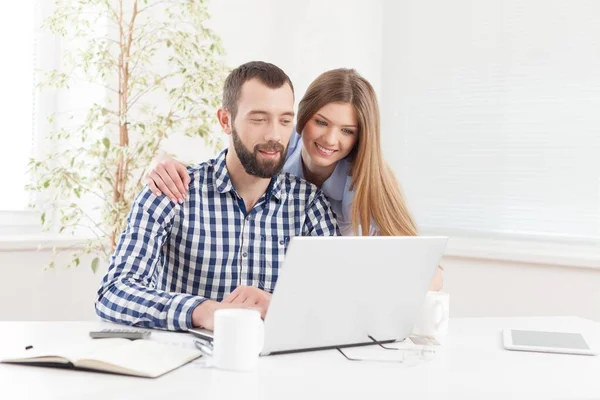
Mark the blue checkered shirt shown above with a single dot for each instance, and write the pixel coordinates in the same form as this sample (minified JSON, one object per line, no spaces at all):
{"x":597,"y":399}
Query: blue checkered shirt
{"x":171,"y":257}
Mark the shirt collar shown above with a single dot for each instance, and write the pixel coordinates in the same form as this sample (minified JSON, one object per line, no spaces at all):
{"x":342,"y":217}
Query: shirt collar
{"x":223,"y":181}
{"x":275,"y":187}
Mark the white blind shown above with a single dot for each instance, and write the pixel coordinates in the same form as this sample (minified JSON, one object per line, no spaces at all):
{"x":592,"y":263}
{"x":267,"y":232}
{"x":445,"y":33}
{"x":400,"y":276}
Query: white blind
{"x":491,"y":114}
{"x":17,"y":101}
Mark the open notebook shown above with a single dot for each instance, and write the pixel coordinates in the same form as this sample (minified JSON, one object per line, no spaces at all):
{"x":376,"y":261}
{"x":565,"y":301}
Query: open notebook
{"x":143,"y":358}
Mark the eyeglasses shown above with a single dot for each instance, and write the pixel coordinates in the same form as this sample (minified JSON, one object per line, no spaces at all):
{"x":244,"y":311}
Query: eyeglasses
{"x":409,"y":357}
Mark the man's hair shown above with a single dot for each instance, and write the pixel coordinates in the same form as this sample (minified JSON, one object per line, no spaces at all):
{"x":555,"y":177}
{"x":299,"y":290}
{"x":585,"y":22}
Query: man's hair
{"x":270,"y":75}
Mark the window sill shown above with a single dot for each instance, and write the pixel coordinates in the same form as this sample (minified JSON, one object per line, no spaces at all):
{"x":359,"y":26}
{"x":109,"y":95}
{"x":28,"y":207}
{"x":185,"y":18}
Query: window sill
{"x":521,"y":251}
{"x":39,"y":242}
{"x":525,"y":251}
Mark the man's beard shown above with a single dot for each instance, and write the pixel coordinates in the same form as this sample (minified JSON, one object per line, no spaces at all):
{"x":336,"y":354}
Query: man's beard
{"x":262,"y":168}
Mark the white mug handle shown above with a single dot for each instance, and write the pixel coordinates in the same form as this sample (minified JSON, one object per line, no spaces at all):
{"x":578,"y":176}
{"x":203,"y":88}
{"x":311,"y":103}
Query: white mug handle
{"x":439,"y":314}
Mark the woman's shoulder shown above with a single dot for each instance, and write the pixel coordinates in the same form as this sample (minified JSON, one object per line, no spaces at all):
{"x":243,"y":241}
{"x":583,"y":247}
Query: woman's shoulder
{"x":344,"y":167}
{"x":293,"y":158}
{"x":295,"y":142}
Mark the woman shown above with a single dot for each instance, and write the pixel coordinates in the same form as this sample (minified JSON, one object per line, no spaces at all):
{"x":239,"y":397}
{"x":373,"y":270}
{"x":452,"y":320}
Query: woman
{"x":337,"y":147}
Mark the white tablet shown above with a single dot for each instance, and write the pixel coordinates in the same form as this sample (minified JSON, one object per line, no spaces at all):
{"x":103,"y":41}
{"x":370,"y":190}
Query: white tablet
{"x":547,"y":342}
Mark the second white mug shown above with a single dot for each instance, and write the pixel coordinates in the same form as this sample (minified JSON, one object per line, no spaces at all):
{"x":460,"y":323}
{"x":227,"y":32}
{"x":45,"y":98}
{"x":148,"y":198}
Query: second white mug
{"x":434,"y":316}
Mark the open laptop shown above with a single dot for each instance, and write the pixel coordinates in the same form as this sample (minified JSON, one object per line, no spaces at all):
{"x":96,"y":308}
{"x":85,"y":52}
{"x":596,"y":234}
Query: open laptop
{"x":337,"y":291}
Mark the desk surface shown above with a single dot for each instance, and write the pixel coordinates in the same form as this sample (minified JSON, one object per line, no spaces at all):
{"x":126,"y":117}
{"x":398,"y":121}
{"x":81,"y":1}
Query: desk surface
{"x":470,"y":364}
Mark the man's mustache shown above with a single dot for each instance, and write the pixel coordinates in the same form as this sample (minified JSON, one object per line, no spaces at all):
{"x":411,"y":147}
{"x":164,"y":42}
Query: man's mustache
{"x":270,"y":147}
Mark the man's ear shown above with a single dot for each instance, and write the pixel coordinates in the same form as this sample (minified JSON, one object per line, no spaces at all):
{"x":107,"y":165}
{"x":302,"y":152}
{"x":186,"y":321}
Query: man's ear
{"x":224,"y":117}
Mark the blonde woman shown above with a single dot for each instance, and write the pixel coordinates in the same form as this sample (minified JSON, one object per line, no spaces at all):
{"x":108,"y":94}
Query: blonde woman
{"x":337,"y":147}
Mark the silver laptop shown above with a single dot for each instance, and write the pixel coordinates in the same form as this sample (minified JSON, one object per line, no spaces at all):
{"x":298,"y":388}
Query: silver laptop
{"x":348,"y":291}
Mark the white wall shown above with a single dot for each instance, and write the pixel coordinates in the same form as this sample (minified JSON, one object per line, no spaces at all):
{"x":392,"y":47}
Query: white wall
{"x":304,"y":38}
{"x":31,"y":291}
{"x":488,"y":288}
{"x":477,"y":288}
{"x":451,"y":68}
{"x":491,"y":116}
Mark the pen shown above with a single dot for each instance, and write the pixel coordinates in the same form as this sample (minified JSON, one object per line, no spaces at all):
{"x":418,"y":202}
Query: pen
{"x":205,"y":342}
{"x":205,"y":348}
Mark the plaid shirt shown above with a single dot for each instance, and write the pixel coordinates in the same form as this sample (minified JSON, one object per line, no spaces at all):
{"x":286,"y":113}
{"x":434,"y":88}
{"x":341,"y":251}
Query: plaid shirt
{"x":172,"y":257}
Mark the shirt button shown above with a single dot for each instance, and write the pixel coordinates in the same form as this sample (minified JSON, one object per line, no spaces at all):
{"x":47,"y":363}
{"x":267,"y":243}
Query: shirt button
{"x":281,"y":242}
{"x":244,"y":254}
{"x":248,"y":218}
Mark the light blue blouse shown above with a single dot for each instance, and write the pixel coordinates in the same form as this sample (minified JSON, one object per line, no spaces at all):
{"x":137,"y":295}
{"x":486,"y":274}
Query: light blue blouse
{"x":336,"y":187}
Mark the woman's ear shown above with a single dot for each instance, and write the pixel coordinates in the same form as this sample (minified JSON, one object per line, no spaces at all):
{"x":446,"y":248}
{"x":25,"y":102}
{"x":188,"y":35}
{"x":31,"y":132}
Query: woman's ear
{"x":225,"y":120}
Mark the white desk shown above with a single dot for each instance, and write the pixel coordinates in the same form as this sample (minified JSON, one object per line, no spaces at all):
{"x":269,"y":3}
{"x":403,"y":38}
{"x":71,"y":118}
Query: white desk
{"x":471,"y":364}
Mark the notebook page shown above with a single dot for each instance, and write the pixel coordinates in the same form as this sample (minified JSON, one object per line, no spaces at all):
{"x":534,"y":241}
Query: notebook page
{"x":68,"y":351}
{"x":146,"y":357}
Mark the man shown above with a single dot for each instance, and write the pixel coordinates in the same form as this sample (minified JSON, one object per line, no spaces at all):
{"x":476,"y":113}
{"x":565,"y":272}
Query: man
{"x":176,"y":264}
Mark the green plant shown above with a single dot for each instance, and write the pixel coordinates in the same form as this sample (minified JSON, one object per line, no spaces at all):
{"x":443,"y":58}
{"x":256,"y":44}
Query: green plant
{"x":162,"y":72}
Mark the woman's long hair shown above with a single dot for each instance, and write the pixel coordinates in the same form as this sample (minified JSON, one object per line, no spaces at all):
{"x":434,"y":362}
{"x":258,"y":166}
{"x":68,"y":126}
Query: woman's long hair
{"x":377,"y":192}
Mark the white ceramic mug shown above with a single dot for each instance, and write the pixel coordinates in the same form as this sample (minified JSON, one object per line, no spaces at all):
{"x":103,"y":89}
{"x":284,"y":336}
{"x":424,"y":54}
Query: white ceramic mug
{"x":238,"y":339}
{"x":433,"y":319}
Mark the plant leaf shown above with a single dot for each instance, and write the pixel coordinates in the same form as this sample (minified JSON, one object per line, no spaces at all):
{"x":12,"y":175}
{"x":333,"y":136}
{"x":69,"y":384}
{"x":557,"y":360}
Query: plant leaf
{"x":95,"y":263}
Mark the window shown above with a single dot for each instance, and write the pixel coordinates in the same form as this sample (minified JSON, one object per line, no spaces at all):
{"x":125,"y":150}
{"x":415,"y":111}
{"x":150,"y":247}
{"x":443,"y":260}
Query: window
{"x":17,"y":102}
{"x":494,"y":108}
{"x":18,"y":113}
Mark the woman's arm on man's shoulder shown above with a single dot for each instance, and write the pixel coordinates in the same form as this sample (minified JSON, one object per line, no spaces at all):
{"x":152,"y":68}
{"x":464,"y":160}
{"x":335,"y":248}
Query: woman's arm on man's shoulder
{"x":168,"y":177}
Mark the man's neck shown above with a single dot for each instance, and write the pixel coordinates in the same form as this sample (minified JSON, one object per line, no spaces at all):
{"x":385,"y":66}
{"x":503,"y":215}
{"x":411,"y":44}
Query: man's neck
{"x":249,"y":187}
{"x":313,"y":173}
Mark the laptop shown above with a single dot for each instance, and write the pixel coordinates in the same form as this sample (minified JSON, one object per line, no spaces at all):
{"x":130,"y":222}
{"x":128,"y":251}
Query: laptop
{"x":348,"y":291}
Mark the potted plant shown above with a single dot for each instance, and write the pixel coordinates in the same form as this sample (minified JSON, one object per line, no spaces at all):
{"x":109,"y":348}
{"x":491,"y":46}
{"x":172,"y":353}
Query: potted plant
{"x":161,"y":73}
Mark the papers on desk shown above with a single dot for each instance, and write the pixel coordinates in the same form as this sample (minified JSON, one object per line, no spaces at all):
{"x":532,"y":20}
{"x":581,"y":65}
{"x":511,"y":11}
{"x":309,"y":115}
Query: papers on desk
{"x":144,"y":358}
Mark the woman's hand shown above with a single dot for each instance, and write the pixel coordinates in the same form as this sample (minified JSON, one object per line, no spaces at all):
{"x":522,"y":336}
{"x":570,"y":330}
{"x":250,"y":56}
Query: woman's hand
{"x":169,"y":177}
{"x":438,"y":280}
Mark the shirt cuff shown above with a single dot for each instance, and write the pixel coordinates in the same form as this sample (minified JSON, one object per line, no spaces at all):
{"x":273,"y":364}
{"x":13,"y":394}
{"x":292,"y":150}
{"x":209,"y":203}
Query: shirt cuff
{"x":179,"y":316}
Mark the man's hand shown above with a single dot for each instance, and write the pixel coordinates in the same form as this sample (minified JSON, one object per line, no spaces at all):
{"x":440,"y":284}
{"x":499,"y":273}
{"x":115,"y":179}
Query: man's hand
{"x":250,"y":297}
{"x":168,"y":177}
{"x":204,"y":315}
{"x":242,"y":297}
